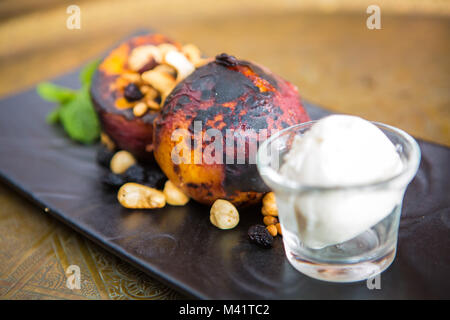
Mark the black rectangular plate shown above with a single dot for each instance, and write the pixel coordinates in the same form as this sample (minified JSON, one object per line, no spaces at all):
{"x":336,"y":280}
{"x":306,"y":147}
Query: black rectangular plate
{"x":179,"y":246}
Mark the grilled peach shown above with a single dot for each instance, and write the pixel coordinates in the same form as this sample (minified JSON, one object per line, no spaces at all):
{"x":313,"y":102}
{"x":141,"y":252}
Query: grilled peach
{"x":225,"y":94}
{"x":129,"y":129}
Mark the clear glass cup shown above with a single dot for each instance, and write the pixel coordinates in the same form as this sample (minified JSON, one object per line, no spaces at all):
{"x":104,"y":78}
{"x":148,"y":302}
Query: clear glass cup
{"x":366,"y":254}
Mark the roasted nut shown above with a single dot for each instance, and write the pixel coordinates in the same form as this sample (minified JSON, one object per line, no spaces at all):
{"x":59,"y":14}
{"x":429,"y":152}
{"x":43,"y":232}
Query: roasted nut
{"x":278,"y":226}
{"x":192,"y":52}
{"x":166,"y":69}
{"x":146,"y":89}
{"x":121,"y":161}
{"x":174,"y":196}
{"x":161,"y":81}
{"x":153,"y":105}
{"x":164,"y":48}
{"x":142,"y":55}
{"x":268,"y":220}
{"x":179,"y":61}
{"x":269,"y":205}
{"x":107,"y":142}
{"x":132,"y":77}
{"x":151,"y":93}
{"x":272,"y":230}
{"x":202,"y":62}
{"x":140,"y":109}
{"x":224,"y":214}
{"x":137,"y":196}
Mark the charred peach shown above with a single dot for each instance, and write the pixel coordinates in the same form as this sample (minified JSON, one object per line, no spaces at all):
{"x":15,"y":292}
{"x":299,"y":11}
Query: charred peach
{"x":225,"y":94}
{"x":120,"y":73}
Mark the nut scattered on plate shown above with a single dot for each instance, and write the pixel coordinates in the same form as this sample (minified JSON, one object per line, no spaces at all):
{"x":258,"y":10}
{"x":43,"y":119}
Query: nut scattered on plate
{"x":121,"y":161}
{"x":174,"y":196}
{"x":224,"y":214}
{"x":137,"y":196}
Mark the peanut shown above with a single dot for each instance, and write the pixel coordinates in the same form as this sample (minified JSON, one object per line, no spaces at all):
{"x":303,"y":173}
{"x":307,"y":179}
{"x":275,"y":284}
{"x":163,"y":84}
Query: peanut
{"x":140,"y":109}
{"x":153,"y":105}
{"x":146,"y":89}
{"x":179,"y":61}
{"x":192,"y":52}
{"x":278,"y":226}
{"x":164,"y":48}
{"x":121,"y":161}
{"x":272,"y":230}
{"x":174,"y":196}
{"x":141,"y":55}
{"x":132,"y":77}
{"x":107,"y":142}
{"x":161,"y":81}
{"x":224,"y":214}
{"x":268,"y":220}
{"x":269,"y":205}
{"x":136,"y":196}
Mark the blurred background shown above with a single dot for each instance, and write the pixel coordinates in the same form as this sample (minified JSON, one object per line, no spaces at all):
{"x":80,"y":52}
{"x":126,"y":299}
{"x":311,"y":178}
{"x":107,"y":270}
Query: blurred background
{"x":399,"y":75}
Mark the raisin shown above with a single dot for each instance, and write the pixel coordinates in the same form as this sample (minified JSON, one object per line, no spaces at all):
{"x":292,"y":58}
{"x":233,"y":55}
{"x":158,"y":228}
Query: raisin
{"x":226,"y":60}
{"x":135,"y":173}
{"x":104,"y":156}
{"x":259,"y":235}
{"x":113,"y":180}
{"x":132,"y":92}
{"x":155,"y":177}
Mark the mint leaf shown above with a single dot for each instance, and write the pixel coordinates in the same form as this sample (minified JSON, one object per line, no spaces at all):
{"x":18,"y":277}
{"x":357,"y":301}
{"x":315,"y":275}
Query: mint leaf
{"x":54,"y":93}
{"x":88,"y":71}
{"x":53,"y":116}
{"x":75,"y":110}
{"x":79,"y":118}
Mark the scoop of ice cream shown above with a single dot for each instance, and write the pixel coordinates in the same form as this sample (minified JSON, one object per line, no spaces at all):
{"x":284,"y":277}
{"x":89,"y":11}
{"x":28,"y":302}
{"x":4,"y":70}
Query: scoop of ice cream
{"x":340,"y":151}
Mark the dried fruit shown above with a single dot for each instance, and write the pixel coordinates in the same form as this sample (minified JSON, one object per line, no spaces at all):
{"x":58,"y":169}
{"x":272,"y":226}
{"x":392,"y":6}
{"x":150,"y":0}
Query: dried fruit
{"x":137,"y":196}
{"x":155,"y":177}
{"x":224,"y":214}
{"x":113,"y":180}
{"x":259,"y":235}
{"x":135,"y":173}
{"x":132,"y":92}
{"x":121,"y":161}
{"x":174,"y":196}
{"x":272,"y":230}
{"x":104,"y":156}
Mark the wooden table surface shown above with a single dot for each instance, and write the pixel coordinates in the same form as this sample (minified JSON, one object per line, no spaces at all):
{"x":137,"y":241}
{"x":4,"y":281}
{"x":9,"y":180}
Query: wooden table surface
{"x":399,"y":75}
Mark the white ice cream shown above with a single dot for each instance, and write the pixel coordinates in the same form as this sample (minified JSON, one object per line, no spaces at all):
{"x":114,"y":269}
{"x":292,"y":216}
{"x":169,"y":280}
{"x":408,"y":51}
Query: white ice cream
{"x":338,"y":151}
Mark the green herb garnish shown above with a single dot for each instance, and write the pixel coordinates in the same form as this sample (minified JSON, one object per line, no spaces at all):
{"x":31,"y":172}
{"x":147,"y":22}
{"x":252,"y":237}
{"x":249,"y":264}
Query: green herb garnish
{"x":75,"y":110}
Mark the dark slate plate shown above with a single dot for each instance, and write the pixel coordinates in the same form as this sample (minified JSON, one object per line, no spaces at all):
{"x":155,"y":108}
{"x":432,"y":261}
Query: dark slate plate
{"x":179,"y":246}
